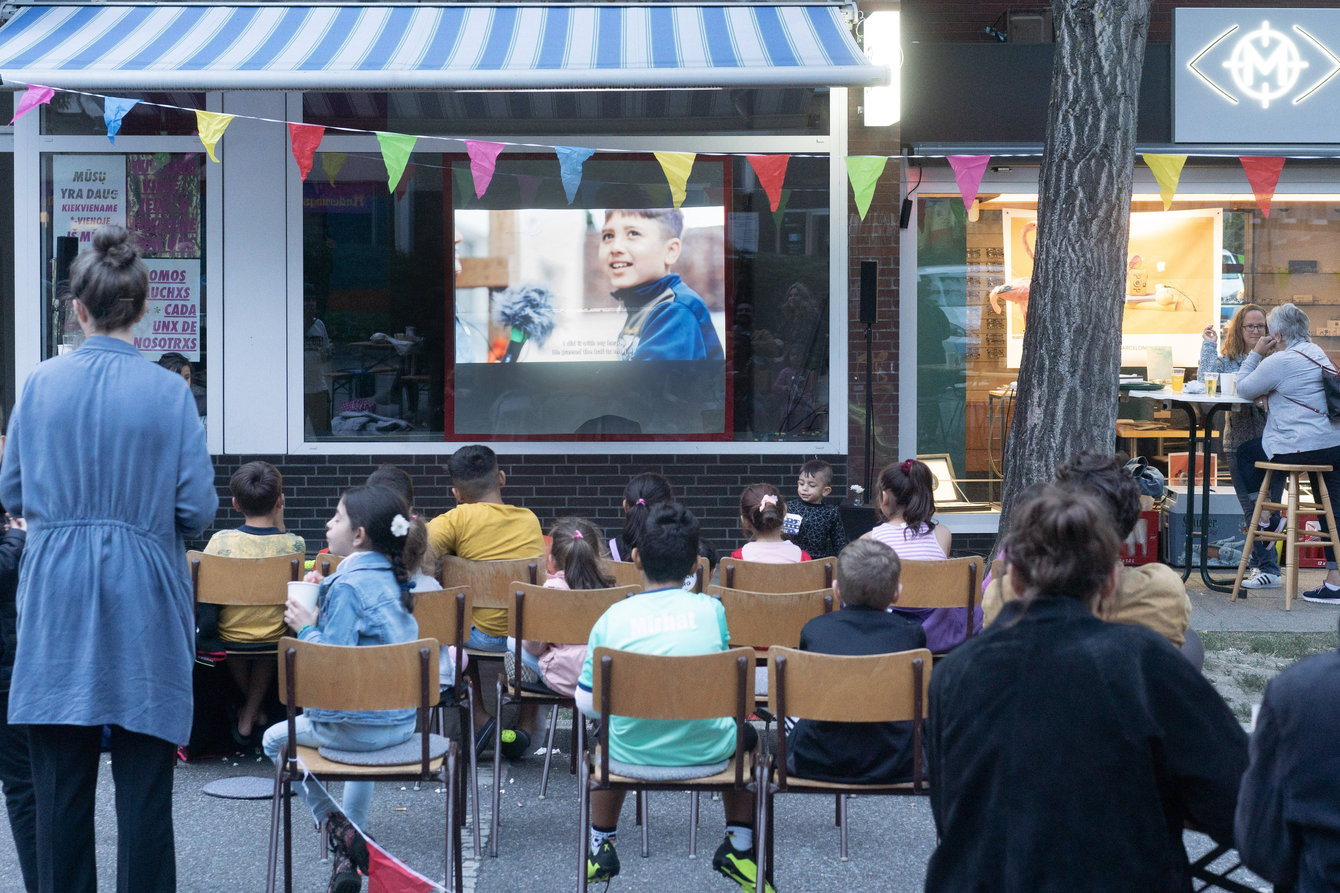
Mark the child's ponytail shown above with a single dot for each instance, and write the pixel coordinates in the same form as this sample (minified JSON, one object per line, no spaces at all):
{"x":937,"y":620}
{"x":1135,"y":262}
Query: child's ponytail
{"x":577,"y":550}
{"x":911,"y":488}
{"x":762,"y":506}
{"x":644,"y":491}
{"x":385,"y":516}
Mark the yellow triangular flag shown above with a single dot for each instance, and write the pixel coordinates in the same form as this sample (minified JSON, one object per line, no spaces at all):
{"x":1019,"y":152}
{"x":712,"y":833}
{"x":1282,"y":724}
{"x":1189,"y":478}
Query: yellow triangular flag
{"x":331,"y":163}
{"x":211,"y":126}
{"x":677,"y":166}
{"x":1167,"y":170}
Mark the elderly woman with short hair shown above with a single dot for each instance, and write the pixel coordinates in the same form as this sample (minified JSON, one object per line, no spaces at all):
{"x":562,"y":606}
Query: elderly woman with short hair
{"x":1286,"y":368}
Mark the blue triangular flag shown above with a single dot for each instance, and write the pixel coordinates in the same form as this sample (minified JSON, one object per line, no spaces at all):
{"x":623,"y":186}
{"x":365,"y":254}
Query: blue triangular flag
{"x":571,"y":159}
{"x":114,"y":108}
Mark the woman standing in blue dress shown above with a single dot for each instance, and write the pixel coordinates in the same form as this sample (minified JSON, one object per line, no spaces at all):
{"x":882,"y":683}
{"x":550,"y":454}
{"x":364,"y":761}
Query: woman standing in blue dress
{"x":106,"y":460}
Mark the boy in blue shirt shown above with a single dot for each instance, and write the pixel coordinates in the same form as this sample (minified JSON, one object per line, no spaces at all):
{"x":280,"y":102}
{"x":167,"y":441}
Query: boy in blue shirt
{"x":666,"y":320}
{"x":665,"y":619}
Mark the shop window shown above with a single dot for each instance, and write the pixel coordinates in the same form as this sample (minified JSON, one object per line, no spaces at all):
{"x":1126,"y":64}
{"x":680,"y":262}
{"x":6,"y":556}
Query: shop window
{"x":523,"y":330}
{"x":160,"y":199}
{"x":158,"y":114}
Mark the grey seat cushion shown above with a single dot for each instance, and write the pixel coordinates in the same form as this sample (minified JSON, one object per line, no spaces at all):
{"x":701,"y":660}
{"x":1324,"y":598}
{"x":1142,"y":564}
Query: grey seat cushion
{"x":406,"y":752}
{"x":666,"y":773}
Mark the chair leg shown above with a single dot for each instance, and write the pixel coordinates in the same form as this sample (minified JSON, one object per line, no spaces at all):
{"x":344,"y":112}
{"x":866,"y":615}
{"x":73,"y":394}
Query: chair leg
{"x":842,"y":827}
{"x":287,"y":807}
{"x":452,"y":830}
{"x":693,"y":824}
{"x":496,"y":819}
{"x":645,"y":803}
{"x":583,"y":822}
{"x":1325,"y":502}
{"x":272,"y":865}
{"x":1261,"y":497}
{"x":1291,"y":544}
{"x":469,"y":742}
{"x":548,"y":750}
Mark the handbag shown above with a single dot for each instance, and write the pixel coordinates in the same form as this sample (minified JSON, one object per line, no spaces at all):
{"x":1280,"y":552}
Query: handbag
{"x":1147,"y":478}
{"x":1330,"y":386}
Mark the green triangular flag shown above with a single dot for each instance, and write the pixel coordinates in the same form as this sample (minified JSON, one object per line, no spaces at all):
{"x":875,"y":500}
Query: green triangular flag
{"x":464,"y":189}
{"x":396,"y":148}
{"x":864,"y":171}
{"x":781,"y":208}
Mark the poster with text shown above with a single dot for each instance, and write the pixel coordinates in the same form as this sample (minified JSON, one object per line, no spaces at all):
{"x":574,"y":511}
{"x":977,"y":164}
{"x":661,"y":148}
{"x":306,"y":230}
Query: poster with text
{"x":88,"y":191}
{"x":1172,"y":285}
{"x":164,"y":207}
{"x":171,"y":321}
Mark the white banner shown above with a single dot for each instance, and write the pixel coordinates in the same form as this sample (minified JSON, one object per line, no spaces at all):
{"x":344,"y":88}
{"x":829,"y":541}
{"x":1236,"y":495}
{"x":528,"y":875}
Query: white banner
{"x":171,"y":321}
{"x":87,"y":191}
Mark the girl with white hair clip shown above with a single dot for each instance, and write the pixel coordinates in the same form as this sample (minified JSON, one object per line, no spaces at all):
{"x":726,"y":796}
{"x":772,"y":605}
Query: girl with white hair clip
{"x":1286,"y":368}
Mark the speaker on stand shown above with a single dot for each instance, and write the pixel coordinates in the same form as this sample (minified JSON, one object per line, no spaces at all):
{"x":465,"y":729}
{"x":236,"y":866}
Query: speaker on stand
{"x":869,"y":287}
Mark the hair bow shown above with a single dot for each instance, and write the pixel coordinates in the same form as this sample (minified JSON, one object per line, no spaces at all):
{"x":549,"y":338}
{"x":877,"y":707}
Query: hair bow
{"x":399,"y":526}
{"x":906,"y":466}
{"x":577,"y":534}
{"x":767,"y":500}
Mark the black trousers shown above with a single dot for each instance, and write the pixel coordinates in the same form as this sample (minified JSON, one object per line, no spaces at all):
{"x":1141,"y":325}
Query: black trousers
{"x":17,"y":777}
{"x":65,"y":779}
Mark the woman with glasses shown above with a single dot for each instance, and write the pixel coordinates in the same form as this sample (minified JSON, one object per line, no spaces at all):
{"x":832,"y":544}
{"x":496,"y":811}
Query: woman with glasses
{"x":1248,"y":423}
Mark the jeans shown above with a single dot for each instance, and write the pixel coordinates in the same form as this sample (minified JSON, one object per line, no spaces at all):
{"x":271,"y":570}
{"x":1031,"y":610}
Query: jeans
{"x":481,"y":641}
{"x":346,"y":736}
{"x":1264,"y":556}
{"x":1251,"y":452}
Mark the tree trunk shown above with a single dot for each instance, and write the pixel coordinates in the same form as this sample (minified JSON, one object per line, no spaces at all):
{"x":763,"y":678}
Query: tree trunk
{"x":1067,"y":396}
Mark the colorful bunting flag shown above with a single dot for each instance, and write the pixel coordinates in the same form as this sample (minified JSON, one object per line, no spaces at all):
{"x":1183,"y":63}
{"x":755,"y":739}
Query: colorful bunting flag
{"x":863,"y":171}
{"x":114,"y":108}
{"x":332,"y":163}
{"x":570,"y":161}
{"x":396,"y":148}
{"x":34,"y":96}
{"x":771,"y":172}
{"x":781,"y":208}
{"x":1167,"y":170}
{"x":483,"y":161}
{"x":405,"y":179}
{"x":1263,"y":173}
{"x":211,"y":126}
{"x":305,"y":139}
{"x":677,"y":166}
{"x":529,"y":187}
{"x":387,"y":874}
{"x":968,"y":171}
{"x":463,"y":187}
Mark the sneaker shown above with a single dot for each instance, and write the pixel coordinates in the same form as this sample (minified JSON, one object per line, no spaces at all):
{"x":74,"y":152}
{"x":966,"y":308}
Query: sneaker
{"x":738,"y":866}
{"x":345,"y":841}
{"x":344,"y":878}
{"x":1261,"y":580}
{"x":1323,"y":595}
{"x":603,"y":864}
{"x":515,"y":743}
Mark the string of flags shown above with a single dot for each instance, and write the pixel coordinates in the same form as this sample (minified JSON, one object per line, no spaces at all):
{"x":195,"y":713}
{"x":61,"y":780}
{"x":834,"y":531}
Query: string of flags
{"x":863,"y":171}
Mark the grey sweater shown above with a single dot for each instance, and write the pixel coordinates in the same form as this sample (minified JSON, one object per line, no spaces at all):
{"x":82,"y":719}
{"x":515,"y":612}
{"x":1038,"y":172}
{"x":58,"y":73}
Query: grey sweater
{"x":1297,"y":420}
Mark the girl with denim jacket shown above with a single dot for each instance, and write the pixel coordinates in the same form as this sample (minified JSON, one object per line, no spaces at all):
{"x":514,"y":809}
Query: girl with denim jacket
{"x":366,"y":601}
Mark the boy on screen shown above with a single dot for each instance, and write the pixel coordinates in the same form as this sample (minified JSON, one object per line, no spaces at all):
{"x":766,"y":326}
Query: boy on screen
{"x":666,"y":320}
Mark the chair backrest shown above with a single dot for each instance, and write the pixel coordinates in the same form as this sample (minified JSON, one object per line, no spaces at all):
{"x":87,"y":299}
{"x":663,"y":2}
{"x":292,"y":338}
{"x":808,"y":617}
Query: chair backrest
{"x":325,"y":563}
{"x":444,"y":615}
{"x":947,"y":583}
{"x":841,"y":688}
{"x":654,"y":686}
{"x":760,"y":619}
{"x":758,"y":576}
{"x":358,"y":677}
{"x":560,"y":616}
{"x":224,"y":580}
{"x":490,"y":582}
{"x":625,"y":573}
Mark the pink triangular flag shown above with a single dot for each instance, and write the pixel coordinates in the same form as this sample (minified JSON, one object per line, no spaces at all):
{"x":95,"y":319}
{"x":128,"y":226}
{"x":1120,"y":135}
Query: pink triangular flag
{"x":968,"y":171}
{"x":34,"y":96}
{"x":1263,"y":172}
{"x":771,"y":171}
{"x":305,"y":139}
{"x":529,"y":187}
{"x":387,"y":874}
{"x":483,"y":159}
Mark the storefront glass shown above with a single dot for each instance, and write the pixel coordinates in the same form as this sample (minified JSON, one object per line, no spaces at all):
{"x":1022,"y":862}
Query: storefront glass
{"x":525,"y":340}
{"x":160,"y":198}
{"x":156,"y":114}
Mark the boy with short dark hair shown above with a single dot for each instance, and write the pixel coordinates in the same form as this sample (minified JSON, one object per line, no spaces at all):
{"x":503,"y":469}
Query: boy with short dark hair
{"x":666,"y":319}
{"x":858,"y":752}
{"x":813,"y":526}
{"x":666,"y":553}
{"x":258,"y":495}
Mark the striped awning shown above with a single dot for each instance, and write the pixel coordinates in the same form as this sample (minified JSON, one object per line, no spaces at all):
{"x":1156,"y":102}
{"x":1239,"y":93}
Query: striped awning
{"x":155,"y":46}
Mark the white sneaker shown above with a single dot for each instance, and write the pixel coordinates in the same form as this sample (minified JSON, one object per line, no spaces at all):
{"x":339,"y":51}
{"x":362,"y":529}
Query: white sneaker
{"x":1261,"y":580}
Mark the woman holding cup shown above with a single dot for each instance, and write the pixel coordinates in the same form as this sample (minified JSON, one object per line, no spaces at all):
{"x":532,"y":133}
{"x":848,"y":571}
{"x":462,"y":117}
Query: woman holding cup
{"x":1247,"y":423}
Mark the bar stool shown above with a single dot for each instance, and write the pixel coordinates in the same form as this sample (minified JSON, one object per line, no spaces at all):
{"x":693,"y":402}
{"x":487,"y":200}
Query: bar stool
{"x":1321,"y":506}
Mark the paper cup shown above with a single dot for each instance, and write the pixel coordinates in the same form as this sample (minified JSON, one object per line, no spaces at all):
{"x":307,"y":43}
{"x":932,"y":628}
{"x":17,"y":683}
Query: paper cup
{"x":1228,"y":384}
{"x":304,"y":593}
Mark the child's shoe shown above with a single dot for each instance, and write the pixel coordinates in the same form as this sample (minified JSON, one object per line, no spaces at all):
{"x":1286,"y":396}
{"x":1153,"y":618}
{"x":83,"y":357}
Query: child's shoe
{"x":344,"y":878}
{"x":603,"y":864}
{"x":738,"y":865}
{"x":347,"y":842}
{"x":515,"y":743}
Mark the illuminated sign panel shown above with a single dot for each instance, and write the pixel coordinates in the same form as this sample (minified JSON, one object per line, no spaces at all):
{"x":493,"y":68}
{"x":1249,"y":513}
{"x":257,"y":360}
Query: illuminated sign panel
{"x":1265,"y":75}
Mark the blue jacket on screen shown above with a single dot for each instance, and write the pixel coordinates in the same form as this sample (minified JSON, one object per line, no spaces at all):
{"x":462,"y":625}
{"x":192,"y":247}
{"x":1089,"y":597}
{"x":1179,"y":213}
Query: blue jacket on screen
{"x":667,"y":320}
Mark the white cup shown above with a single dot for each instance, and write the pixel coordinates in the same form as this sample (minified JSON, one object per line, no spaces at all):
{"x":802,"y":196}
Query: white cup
{"x":304,"y":593}
{"x":1228,"y":384}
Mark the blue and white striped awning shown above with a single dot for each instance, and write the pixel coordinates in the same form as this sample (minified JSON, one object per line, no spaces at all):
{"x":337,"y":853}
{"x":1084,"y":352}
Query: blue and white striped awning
{"x":148,"y":46}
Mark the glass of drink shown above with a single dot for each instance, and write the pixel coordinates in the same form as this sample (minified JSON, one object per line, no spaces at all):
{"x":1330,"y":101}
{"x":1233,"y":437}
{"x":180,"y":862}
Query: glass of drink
{"x":1211,"y":383}
{"x":1178,"y":377}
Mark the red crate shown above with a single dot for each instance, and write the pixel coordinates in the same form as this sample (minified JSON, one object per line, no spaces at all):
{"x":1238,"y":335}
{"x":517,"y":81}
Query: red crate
{"x":1311,"y":556}
{"x":1143,"y":545}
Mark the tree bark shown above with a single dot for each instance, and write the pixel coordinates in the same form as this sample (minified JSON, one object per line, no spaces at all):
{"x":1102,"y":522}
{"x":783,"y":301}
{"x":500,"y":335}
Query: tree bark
{"x":1068,"y":374}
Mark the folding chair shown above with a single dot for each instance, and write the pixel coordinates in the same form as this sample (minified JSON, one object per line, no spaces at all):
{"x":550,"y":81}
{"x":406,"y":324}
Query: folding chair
{"x":649,"y":686}
{"x":442,"y":615}
{"x":625,"y":573}
{"x":371,"y":677}
{"x":758,"y":576}
{"x":563,"y":617}
{"x":836,"y":688}
{"x":950,"y":583}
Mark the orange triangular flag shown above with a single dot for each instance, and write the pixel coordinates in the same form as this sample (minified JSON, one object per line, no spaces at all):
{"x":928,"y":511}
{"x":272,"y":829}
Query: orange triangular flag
{"x":1264,"y":175}
{"x":305,"y":139}
{"x":387,"y":874}
{"x":771,"y":171}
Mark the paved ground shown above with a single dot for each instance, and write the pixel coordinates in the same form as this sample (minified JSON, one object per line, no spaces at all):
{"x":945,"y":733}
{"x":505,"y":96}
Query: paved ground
{"x":221,"y":844}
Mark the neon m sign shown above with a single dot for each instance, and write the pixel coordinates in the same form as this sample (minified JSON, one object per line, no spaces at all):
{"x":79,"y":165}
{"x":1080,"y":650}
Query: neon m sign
{"x":1263,"y":65}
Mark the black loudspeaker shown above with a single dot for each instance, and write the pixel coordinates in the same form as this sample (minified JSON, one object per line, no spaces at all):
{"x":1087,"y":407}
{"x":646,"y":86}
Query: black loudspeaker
{"x":869,"y":285}
{"x":905,"y":214}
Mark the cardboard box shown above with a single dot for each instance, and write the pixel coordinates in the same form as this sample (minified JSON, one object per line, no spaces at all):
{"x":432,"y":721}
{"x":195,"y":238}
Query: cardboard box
{"x":1142,"y":546}
{"x":1177,"y":473}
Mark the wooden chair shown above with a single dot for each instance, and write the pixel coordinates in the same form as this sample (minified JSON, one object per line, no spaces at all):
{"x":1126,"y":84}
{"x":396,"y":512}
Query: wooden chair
{"x":763,"y":619}
{"x":442,"y":616}
{"x":563,"y":617}
{"x":1291,"y":509}
{"x":490,"y":583}
{"x":371,"y":677}
{"x":758,"y":576}
{"x":835,"y":688}
{"x":253,"y":582}
{"x":625,"y":573}
{"x":649,"y":686}
{"x":325,"y":563}
{"x":947,"y":583}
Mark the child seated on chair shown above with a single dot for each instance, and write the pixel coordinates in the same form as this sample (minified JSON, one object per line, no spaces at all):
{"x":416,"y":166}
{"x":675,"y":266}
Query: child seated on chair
{"x":258,"y":494}
{"x":483,"y":528}
{"x":859,"y":752}
{"x":666,"y":553}
{"x":762,"y":511}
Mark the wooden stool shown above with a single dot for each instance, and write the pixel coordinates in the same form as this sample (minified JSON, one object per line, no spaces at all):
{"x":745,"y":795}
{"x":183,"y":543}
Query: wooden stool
{"x":1321,"y":506}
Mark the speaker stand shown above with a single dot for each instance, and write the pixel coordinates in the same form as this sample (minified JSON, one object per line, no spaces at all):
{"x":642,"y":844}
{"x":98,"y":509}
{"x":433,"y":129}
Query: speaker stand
{"x":869,"y":409}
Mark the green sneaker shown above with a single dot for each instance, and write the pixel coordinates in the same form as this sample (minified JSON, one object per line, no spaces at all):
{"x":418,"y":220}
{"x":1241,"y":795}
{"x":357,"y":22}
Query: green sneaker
{"x":603,"y":864}
{"x":739,"y":867}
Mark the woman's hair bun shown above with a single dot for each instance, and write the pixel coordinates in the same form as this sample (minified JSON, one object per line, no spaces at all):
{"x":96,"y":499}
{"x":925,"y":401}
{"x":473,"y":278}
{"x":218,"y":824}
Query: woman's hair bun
{"x":113,"y":242}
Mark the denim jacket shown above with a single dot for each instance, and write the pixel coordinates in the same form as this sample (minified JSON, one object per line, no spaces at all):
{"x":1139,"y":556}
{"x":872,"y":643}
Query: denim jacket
{"x":359,"y":604}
